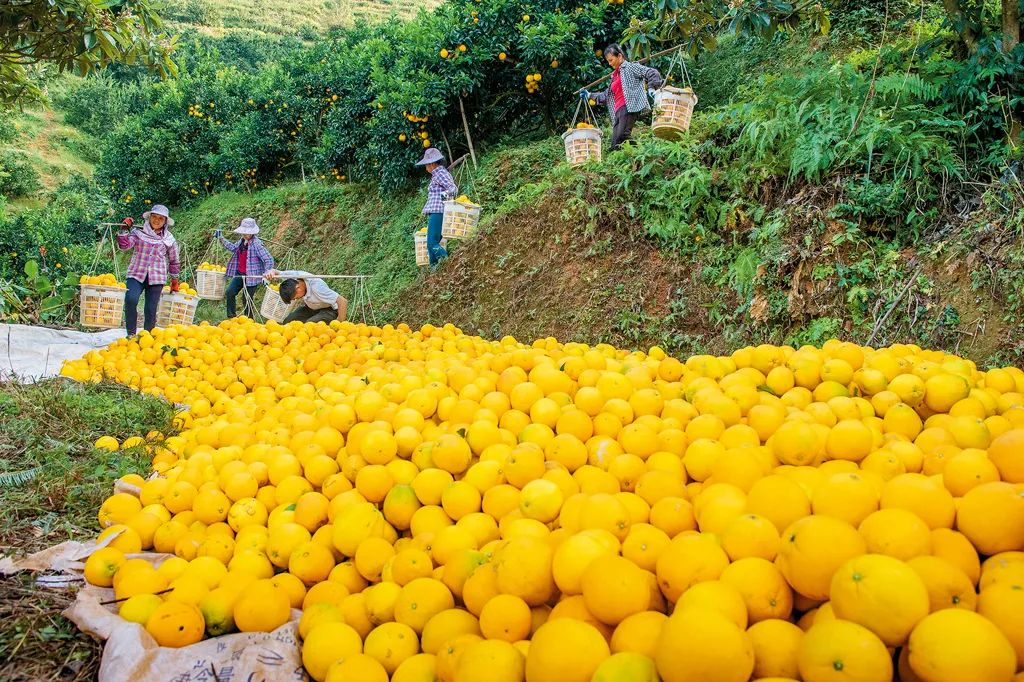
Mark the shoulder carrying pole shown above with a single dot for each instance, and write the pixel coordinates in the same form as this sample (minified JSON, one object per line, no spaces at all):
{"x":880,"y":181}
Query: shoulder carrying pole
{"x":639,"y":61}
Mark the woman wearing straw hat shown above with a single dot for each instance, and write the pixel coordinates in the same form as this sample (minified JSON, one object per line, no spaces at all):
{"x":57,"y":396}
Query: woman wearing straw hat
{"x":442,"y":186}
{"x":249,"y":261}
{"x":626,"y":95}
{"x":155,"y":258}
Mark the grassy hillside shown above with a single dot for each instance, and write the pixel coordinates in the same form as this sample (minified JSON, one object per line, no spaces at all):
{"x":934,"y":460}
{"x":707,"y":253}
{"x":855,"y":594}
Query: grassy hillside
{"x":284,"y":17}
{"x":53,"y":150}
{"x":542,"y":266}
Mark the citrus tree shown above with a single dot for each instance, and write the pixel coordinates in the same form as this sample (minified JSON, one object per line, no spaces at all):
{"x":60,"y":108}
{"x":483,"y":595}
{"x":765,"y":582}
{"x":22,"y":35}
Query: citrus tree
{"x":361,"y":104}
{"x":210,"y":129}
{"x":696,"y":25}
{"x":378,"y":97}
{"x":78,"y":36}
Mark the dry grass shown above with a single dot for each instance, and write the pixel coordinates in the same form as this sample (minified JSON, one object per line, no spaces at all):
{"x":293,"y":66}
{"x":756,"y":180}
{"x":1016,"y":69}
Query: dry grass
{"x":36,"y":642}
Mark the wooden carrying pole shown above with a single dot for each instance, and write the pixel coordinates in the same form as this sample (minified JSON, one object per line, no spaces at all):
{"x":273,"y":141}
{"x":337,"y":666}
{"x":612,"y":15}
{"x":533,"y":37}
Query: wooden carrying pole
{"x":465,"y":127}
{"x":639,"y":61}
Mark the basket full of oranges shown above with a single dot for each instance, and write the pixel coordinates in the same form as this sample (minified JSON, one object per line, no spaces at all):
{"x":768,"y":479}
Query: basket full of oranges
{"x":210,"y":282}
{"x":101,"y":301}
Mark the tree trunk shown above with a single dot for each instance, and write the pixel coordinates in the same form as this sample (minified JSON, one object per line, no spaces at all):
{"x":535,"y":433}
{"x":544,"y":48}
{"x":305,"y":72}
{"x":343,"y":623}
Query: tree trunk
{"x":1011,"y":24}
{"x":959,"y":22}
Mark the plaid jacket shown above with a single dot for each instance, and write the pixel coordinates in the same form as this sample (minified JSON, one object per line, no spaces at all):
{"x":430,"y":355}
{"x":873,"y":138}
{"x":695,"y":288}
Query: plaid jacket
{"x":152,"y":261}
{"x":257,"y":262}
{"x":635,"y":80}
{"x":442,"y":186}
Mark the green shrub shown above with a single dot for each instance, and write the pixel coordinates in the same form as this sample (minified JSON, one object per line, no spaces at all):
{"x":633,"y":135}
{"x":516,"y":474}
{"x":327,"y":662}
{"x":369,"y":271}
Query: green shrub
{"x":96,"y":104}
{"x":62,"y":231}
{"x":18,"y":177}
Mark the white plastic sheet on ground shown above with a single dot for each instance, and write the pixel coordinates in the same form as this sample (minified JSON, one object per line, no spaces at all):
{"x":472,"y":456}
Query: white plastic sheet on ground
{"x":33,"y":353}
{"x":130,"y":653}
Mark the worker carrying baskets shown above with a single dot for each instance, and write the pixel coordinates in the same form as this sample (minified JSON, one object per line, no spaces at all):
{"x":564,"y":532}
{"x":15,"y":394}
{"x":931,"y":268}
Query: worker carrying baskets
{"x":316,"y":302}
{"x":442,"y":187}
{"x":154,"y":261}
{"x":627,"y":95}
{"x":249,"y":261}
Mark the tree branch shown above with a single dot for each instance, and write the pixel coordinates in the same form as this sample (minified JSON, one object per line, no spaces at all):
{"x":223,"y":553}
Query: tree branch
{"x":1011,"y":24}
{"x":960,"y":23}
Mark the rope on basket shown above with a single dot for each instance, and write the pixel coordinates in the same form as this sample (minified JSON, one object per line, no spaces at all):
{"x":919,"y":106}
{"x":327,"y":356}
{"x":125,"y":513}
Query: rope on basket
{"x":681,"y":62}
{"x":588,"y":113}
{"x":462,"y":173}
{"x":287,"y":263}
{"x":107,"y":230}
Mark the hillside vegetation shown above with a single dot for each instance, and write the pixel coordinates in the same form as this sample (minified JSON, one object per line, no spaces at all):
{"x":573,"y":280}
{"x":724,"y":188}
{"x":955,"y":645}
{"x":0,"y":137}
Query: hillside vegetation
{"x":306,"y":18}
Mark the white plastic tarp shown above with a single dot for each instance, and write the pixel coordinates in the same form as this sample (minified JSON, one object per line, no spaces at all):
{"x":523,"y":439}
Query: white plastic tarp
{"x":32,"y":353}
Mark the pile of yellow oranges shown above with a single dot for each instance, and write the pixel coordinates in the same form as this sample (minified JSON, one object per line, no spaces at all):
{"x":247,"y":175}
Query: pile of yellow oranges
{"x":533,"y":82}
{"x":183,"y":288}
{"x":105,"y":280}
{"x":213,"y":267}
{"x":443,"y":507}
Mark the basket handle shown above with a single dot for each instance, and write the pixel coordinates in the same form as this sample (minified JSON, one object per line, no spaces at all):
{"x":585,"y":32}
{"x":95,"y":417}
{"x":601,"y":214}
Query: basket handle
{"x":209,"y":249}
{"x":679,"y":61}
{"x":462,"y":174}
{"x":108,"y":235}
{"x":588,"y":113}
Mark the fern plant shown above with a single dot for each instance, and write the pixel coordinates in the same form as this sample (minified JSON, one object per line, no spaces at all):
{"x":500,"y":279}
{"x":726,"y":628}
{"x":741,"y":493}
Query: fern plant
{"x":16,"y":479}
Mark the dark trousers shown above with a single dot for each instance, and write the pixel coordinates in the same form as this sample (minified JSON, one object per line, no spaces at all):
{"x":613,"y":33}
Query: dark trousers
{"x":623,"y":128}
{"x":434,"y":248}
{"x":304,"y":313}
{"x":134,"y":289}
{"x":236,"y":285}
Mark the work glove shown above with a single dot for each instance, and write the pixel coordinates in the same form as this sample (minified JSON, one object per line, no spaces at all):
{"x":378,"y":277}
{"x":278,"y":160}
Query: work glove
{"x":127,"y":223}
{"x":175,"y":284}
{"x":216,"y":233}
{"x":584,"y":94}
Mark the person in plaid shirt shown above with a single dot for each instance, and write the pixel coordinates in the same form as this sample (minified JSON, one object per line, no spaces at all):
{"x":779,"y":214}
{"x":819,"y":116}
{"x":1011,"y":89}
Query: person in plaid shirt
{"x":249,"y":261}
{"x":442,"y":186}
{"x":155,"y":258}
{"x":626,"y":96}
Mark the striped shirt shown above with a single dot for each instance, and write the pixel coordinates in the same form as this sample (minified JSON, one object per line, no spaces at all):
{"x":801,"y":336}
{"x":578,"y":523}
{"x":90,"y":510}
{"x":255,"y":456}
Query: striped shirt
{"x":442,"y":186}
{"x":258,"y":260}
{"x":151,"y":261}
{"x":634,"y":78}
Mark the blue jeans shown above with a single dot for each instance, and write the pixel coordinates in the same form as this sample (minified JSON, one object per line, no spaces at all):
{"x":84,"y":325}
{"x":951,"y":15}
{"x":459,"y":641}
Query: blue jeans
{"x":235,"y":286}
{"x":134,"y":289}
{"x":434,"y":248}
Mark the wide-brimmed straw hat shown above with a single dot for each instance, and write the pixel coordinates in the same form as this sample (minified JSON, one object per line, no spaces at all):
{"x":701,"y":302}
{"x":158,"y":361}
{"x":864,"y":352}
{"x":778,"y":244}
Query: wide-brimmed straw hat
{"x":432,"y":155}
{"x":247,"y":226}
{"x":160,"y":209}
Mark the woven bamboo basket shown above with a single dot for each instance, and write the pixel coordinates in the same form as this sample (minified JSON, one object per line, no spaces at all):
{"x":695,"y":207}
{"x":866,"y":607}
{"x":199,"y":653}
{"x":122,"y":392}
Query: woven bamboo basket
{"x":422,"y":255}
{"x":460,"y":220}
{"x":101,"y":307}
{"x":582,"y":145}
{"x":176,"y":308}
{"x":210,"y":284}
{"x":673,"y":109}
{"x":273,"y":308}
